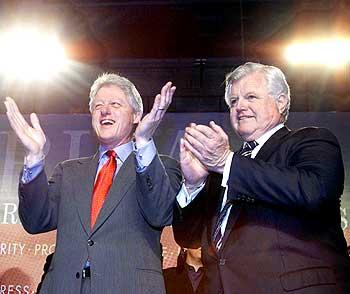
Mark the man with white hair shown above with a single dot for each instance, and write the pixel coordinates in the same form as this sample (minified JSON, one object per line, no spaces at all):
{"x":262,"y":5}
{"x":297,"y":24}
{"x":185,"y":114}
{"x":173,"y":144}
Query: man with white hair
{"x":268,"y":215}
{"x":109,"y":209}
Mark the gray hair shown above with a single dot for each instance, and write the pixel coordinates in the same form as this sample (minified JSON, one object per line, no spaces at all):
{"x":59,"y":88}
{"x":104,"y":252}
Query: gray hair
{"x":276,"y":81}
{"x":129,"y":89}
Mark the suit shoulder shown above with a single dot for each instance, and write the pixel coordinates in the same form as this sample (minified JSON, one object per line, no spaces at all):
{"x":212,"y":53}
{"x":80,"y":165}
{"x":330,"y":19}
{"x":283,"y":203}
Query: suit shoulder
{"x":166,"y":159}
{"x":314,"y":133}
{"x":74,"y":161}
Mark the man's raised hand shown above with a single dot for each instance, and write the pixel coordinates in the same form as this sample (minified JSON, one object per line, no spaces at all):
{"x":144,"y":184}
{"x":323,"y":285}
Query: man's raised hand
{"x":32,"y":137}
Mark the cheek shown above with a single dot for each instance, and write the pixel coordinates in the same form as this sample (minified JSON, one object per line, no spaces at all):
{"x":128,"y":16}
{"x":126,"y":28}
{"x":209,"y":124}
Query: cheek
{"x":263,"y":112}
{"x":126,"y":121}
{"x":270,"y":112}
{"x":94,"y":121}
{"x":233,"y":115}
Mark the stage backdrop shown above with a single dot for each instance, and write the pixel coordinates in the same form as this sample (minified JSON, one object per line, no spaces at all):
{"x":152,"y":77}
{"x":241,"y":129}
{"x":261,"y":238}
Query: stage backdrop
{"x":22,"y":255}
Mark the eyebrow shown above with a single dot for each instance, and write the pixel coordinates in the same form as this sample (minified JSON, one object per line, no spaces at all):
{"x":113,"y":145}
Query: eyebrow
{"x":109,"y":99}
{"x":247,"y":94}
{"x":251,"y":93}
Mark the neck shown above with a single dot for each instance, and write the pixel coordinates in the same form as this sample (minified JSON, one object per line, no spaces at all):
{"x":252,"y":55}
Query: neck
{"x":114,"y":145}
{"x":195,"y":262}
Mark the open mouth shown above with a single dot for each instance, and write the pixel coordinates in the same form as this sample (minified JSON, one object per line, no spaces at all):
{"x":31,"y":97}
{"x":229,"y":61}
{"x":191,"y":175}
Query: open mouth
{"x":107,"y":122}
{"x":244,"y":117}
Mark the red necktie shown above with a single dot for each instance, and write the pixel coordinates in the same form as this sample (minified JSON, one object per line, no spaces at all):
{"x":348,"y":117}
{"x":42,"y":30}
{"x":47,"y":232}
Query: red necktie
{"x":102,"y":185}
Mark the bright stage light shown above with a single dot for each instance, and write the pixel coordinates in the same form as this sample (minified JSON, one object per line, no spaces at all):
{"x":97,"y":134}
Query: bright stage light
{"x":29,"y":54}
{"x":331,"y":53}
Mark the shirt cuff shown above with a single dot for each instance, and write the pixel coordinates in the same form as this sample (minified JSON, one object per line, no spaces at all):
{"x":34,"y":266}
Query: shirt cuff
{"x":184,"y":198}
{"x":30,"y":173}
{"x":227,"y":169}
{"x":144,"y":155}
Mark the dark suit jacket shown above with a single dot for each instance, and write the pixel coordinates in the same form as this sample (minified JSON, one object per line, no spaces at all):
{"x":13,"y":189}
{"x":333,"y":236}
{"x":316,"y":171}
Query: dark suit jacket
{"x":45,"y":270}
{"x":124,"y":245}
{"x":178,"y":282}
{"x":283,"y":234}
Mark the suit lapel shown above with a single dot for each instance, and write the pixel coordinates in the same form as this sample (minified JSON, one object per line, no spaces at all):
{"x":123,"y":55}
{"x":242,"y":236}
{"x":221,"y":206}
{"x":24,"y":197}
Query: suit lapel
{"x":264,"y":153}
{"x":234,"y":214}
{"x":272,"y":144}
{"x":212,"y":222}
{"x":215,"y":181}
{"x":124,"y":179}
{"x":83,"y":189}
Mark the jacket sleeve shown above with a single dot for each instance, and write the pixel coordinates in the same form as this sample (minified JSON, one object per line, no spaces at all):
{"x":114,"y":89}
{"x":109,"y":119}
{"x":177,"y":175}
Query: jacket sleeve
{"x":189,"y":222}
{"x":159,"y":184}
{"x":307,"y":173}
{"x":38,"y":202}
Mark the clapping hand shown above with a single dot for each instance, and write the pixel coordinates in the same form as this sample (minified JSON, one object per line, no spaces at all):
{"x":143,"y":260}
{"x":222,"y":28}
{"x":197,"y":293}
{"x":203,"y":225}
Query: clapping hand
{"x":151,"y":121}
{"x":194,"y":172}
{"x":32,"y":137}
{"x":209,"y":144}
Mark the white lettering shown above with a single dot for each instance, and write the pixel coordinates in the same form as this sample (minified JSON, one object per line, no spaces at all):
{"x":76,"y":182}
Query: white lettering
{"x":344,"y":220}
{"x":9,"y":164}
{"x":44,"y":249}
{"x":75,"y":142}
{"x":9,"y":289}
{"x":10,"y":210}
{"x":12,"y":248}
{"x":175,"y":147}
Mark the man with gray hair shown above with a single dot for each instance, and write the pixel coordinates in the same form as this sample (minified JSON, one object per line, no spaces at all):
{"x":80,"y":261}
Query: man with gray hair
{"x":109,"y":209}
{"x":268,"y":215}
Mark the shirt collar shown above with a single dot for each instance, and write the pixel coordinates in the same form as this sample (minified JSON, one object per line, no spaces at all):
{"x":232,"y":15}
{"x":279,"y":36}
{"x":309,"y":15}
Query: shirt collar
{"x":123,"y":151}
{"x":191,"y":268}
{"x":261,"y":141}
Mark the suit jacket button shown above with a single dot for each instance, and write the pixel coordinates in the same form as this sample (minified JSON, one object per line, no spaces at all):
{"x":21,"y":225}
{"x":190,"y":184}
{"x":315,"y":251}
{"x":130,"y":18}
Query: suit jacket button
{"x":222,"y":261}
{"x":90,"y":242}
{"x":149,"y":183}
{"x":77,"y":275}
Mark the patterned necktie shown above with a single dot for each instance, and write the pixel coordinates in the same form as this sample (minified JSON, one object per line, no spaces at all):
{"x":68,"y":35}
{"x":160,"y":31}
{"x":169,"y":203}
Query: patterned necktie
{"x":102,"y":185}
{"x":246,"y":150}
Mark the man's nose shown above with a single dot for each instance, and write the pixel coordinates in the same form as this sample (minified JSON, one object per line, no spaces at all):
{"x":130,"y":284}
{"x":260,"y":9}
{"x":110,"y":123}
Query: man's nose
{"x":106,"y":109}
{"x":238,"y":104}
{"x":241,"y":104}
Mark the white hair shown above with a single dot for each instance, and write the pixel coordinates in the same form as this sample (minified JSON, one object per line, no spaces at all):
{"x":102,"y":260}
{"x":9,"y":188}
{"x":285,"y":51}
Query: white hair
{"x":276,"y":81}
{"x":123,"y":83}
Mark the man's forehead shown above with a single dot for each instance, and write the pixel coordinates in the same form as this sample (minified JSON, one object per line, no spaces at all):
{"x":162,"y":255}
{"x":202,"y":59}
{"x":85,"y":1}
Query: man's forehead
{"x":253,"y":82}
{"x":109,"y":92}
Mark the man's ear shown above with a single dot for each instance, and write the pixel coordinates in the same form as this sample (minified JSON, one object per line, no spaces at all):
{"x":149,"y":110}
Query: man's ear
{"x":137,"y":117}
{"x":282,"y":102}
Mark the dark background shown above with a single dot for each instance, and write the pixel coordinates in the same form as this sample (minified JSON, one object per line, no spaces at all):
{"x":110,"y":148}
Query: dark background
{"x":192,"y":43}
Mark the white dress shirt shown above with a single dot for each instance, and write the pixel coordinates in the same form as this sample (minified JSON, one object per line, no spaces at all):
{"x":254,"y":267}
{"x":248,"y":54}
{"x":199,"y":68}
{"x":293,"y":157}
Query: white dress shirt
{"x":144,"y":157}
{"x":184,"y":198}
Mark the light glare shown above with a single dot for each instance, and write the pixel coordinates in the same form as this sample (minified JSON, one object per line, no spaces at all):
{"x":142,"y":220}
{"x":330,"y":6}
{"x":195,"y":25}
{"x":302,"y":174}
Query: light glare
{"x":331,"y":53}
{"x":29,"y":54}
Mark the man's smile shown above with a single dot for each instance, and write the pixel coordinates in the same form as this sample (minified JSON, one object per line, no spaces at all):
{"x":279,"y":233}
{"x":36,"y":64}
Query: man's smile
{"x":107,"y":122}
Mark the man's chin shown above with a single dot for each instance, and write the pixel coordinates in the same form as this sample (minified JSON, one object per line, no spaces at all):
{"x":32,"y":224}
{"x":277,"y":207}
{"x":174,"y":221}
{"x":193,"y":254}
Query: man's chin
{"x":108,"y":141}
{"x":245,"y":134}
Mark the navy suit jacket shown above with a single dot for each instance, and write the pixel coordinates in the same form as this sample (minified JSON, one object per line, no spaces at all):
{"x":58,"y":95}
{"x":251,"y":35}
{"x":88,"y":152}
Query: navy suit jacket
{"x":283,"y":234}
{"x":124,"y":245}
